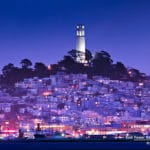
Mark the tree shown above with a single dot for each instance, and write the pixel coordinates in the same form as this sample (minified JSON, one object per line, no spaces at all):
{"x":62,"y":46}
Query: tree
{"x":26,"y":71}
{"x":102,"y":63}
{"x":120,"y":70}
{"x":70,"y":66}
{"x":104,"y":57}
{"x":88,"y":55}
{"x":7,"y":69}
{"x":73,"y":54}
{"x":10,"y":74}
{"x":67,"y":63}
{"x":26,"y":63}
{"x":54,"y":69}
{"x":135,"y":75}
{"x":40,"y":69}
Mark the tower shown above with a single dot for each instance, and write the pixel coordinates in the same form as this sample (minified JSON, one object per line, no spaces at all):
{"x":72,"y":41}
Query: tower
{"x":80,"y":44}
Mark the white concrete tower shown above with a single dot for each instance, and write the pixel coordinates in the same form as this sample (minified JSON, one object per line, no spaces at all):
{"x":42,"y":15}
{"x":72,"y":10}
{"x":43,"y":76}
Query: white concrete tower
{"x":80,"y":44}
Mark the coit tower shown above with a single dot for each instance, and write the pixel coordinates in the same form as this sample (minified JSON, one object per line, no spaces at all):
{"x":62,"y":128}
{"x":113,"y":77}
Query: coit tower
{"x":80,"y":44}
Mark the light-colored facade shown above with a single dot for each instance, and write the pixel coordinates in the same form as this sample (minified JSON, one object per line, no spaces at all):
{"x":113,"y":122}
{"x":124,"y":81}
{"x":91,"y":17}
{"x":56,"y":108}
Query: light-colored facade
{"x":80,"y":44}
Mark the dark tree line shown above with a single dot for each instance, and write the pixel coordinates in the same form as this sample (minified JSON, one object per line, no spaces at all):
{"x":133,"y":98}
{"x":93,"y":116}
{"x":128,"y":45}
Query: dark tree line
{"x":99,"y":64}
{"x":12,"y":74}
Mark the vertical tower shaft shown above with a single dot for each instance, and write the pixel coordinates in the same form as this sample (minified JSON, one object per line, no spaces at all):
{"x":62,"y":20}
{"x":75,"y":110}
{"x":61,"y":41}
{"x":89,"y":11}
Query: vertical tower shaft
{"x":80,"y":44}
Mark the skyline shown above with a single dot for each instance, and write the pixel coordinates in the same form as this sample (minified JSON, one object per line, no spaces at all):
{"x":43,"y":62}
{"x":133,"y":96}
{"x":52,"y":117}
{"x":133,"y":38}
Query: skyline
{"x":46,"y":30}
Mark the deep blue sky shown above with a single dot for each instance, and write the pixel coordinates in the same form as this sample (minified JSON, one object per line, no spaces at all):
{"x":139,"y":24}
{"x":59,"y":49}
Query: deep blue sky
{"x":44,"y":30}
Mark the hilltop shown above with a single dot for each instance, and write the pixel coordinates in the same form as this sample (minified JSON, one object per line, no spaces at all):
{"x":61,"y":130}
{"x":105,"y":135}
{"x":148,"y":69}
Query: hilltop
{"x":99,"y":64}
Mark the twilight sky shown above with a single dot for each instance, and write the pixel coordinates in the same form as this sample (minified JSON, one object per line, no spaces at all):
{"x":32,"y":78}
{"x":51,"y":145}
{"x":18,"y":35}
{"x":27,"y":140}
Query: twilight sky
{"x":44,"y":30}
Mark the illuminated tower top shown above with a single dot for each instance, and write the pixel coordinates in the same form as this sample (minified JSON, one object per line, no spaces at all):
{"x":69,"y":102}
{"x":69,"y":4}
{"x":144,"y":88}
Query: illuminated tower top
{"x":80,"y":30}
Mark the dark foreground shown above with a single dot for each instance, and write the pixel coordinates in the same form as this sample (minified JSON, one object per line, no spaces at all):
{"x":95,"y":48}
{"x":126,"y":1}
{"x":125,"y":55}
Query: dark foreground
{"x":73,"y":145}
